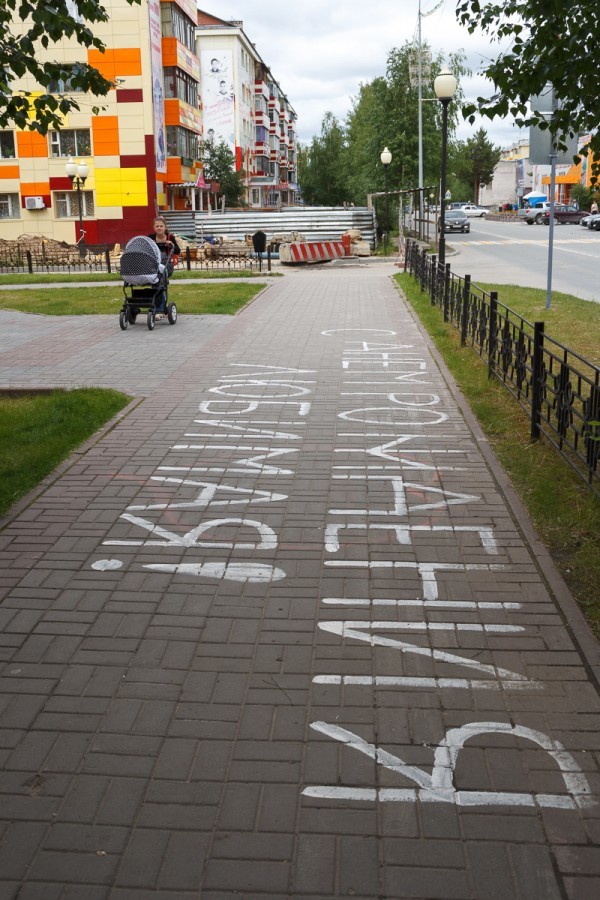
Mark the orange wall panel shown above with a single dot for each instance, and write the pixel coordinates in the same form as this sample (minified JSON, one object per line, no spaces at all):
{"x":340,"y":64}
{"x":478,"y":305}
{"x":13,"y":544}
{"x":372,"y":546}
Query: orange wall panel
{"x":172,"y":112}
{"x":9,"y":172}
{"x":173,"y":169}
{"x":106,"y":135}
{"x":169,"y":51}
{"x":30,"y":144}
{"x":35,"y":188}
{"x":115,"y":63}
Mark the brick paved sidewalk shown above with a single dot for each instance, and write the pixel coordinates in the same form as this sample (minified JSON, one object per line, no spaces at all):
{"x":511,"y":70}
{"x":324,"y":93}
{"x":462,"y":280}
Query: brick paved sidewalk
{"x":279,"y":633}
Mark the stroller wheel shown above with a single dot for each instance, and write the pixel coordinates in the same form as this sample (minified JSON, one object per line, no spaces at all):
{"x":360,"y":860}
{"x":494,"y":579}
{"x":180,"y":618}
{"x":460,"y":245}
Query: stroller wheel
{"x":172,"y":313}
{"x":132,"y":314}
{"x":123,"y":320}
{"x":150,"y":319}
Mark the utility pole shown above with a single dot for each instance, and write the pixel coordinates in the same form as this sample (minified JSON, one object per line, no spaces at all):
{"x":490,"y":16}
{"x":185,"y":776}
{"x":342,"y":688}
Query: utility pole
{"x":420,"y":86}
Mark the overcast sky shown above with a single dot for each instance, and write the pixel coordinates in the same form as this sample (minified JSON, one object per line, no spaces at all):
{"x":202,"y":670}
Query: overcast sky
{"x":321,"y":50}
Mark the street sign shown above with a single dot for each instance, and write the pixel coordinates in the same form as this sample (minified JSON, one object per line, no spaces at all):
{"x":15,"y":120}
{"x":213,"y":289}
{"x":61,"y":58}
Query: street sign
{"x":540,"y":142}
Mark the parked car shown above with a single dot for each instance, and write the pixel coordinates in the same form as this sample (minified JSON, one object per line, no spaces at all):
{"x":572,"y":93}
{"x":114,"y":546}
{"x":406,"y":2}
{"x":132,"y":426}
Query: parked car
{"x":533,"y":214}
{"x":455,"y":220}
{"x":594,"y":222}
{"x":471,"y":209}
{"x":564,"y":214}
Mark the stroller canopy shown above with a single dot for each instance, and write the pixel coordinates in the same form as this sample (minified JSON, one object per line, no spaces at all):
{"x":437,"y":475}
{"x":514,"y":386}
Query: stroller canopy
{"x":141,"y":261}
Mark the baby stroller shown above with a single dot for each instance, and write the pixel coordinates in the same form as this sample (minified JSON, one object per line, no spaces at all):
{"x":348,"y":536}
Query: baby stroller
{"x":145,"y":272}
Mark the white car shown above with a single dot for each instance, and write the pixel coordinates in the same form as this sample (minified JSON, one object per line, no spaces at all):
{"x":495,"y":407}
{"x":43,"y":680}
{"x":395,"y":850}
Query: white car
{"x":471,"y":209}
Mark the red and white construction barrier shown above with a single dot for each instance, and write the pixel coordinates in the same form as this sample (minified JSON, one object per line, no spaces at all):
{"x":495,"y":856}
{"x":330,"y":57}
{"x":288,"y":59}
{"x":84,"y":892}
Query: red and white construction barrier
{"x":312,"y":251}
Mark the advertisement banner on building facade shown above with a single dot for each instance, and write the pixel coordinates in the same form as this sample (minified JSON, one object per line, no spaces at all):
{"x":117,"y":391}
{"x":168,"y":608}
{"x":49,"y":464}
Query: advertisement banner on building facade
{"x":158,"y":94}
{"x":218,"y":100}
{"x":520,"y":175}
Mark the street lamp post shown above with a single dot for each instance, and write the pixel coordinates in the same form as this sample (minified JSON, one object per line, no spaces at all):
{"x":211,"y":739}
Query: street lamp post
{"x":78,"y":172}
{"x":444,"y":87}
{"x":386,"y":158}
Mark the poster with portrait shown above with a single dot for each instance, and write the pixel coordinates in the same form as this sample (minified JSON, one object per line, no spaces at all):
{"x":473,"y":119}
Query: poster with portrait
{"x":218,"y":97}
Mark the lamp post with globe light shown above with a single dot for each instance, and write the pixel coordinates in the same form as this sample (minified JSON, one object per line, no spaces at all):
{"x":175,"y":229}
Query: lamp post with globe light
{"x":445,"y":87}
{"x":78,"y":172}
{"x":386,"y":158}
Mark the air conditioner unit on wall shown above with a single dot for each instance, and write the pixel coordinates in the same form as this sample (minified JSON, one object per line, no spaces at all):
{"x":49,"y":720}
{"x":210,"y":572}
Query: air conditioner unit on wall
{"x":34,"y":203}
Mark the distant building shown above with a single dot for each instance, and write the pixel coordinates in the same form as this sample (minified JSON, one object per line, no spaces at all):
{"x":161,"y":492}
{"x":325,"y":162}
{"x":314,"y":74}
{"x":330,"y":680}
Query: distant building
{"x":515,"y":177}
{"x":243,"y":105}
{"x":144,"y":150}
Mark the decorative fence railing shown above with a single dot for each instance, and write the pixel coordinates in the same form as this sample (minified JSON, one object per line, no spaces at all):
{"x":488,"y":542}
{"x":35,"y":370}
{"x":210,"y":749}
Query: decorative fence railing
{"x":558,"y":388}
{"x":102,"y":259}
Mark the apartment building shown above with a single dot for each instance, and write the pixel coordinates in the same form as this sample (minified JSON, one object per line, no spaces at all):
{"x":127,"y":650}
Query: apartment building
{"x":143,"y":151}
{"x":243,"y":105}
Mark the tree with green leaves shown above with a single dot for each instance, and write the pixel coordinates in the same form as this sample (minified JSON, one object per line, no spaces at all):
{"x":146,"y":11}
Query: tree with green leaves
{"x":386,"y":114}
{"x":551,"y":42}
{"x":219,"y":168}
{"x":25,"y":25}
{"x":366,"y":137}
{"x":473,"y":161}
{"x":323,"y":166}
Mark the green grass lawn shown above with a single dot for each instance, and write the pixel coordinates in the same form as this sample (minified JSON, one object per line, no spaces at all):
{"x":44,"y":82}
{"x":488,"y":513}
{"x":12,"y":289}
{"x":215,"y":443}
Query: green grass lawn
{"x":570,"y":320}
{"x":564,"y":511}
{"x":191,"y":299}
{"x":39,"y":431}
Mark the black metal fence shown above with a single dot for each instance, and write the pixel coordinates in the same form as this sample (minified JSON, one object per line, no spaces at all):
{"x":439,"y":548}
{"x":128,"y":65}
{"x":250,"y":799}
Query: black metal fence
{"x":558,"y":388}
{"x":102,"y":259}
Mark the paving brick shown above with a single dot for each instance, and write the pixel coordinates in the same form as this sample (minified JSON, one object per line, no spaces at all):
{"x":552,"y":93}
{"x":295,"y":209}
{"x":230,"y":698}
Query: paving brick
{"x":142,"y":860}
{"x":18,"y":846}
{"x":184,"y":862}
{"x":316,"y":865}
{"x":534,"y":871}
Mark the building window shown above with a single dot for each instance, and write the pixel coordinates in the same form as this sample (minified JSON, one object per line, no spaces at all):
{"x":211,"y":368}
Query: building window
{"x":176,"y":24}
{"x":255,"y":196}
{"x":261,"y":104}
{"x":261,"y":164}
{"x":71,"y":142}
{"x":66,"y":204}
{"x":9,"y":206}
{"x":180,"y":85}
{"x":182,"y":142}
{"x":262,"y":134}
{"x":7,"y":145}
{"x":64,"y":84}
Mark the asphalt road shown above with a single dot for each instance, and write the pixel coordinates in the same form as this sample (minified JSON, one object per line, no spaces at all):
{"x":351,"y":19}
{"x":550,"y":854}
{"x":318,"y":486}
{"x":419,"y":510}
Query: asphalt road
{"x":517,"y":253}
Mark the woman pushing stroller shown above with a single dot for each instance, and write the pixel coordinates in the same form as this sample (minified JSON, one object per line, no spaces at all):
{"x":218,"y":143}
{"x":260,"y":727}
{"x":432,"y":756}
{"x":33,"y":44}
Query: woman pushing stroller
{"x":146,"y":265}
{"x":169,"y":251}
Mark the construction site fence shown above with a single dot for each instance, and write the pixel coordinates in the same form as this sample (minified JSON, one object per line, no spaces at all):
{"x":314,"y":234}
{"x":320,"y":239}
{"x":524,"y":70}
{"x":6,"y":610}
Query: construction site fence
{"x":102,"y":259}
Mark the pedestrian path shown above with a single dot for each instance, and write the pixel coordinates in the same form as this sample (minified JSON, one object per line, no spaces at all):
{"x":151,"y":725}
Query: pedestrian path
{"x":284,"y":631}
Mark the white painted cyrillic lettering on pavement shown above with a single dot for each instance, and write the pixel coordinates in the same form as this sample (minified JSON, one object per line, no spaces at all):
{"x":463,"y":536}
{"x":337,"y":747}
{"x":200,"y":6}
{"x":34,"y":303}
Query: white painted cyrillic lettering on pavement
{"x":291,"y":390}
{"x":439,"y":786}
{"x":425,"y":416}
{"x":268,"y":538}
{"x":401,"y":489}
{"x":246,"y":466}
{"x":426,"y":571}
{"x":254,"y":573}
{"x":363,"y":631}
{"x":404,"y":533}
{"x":235,"y":431}
{"x":206,"y":495}
{"x":205,"y":408}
